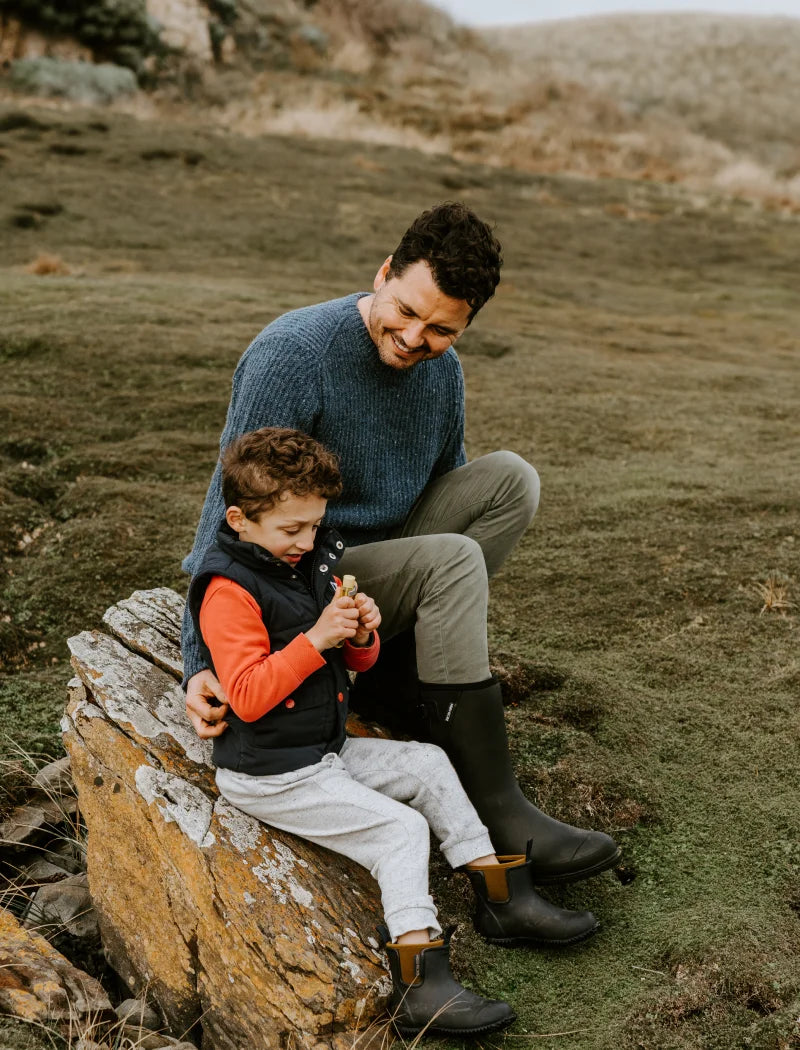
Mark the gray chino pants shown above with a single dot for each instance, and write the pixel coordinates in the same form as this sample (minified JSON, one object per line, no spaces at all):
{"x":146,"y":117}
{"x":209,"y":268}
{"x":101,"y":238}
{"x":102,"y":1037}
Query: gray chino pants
{"x":376,"y":802}
{"x":433,"y":574}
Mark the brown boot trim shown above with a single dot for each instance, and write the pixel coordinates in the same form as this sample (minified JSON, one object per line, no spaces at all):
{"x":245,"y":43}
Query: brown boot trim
{"x":407,"y":954}
{"x":494,"y":875}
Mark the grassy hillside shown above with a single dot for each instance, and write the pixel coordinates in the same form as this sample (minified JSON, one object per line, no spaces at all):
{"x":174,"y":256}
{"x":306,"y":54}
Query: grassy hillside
{"x":642,"y":352}
{"x":732,"y":81}
{"x":708,"y":100}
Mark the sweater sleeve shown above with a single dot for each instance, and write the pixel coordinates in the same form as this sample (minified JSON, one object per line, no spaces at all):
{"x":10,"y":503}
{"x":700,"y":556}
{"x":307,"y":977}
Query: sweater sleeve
{"x":453,"y":453}
{"x":254,"y":678}
{"x":276,"y":384}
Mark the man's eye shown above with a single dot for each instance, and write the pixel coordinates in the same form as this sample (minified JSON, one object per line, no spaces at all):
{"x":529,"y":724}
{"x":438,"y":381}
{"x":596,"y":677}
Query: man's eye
{"x":291,"y":532}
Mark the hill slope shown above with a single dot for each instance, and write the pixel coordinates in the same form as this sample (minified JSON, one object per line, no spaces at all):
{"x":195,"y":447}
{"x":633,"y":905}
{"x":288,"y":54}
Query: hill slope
{"x":735,"y":80}
{"x":706,"y":99}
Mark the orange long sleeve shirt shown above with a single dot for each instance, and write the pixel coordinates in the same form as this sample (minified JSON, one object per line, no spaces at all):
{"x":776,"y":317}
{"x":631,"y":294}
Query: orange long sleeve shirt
{"x":254,"y":678}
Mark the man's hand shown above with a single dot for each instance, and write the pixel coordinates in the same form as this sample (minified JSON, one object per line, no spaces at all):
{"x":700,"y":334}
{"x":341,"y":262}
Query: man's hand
{"x":206,"y":718}
{"x":369,"y":619}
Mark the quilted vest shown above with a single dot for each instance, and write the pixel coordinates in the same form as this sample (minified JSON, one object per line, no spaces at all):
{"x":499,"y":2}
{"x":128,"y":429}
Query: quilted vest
{"x":311,"y":722}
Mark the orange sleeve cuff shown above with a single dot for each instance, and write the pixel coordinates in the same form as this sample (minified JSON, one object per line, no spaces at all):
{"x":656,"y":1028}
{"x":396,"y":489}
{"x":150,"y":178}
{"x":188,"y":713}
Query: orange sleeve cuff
{"x":361,"y":658}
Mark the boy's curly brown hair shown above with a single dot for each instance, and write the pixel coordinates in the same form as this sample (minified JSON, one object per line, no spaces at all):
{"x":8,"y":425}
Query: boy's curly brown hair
{"x":260,"y":467}
{"x":462,"y":251}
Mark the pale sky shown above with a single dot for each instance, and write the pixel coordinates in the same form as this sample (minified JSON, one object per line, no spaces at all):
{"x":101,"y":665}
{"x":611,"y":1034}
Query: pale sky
{"x":503,"y":12}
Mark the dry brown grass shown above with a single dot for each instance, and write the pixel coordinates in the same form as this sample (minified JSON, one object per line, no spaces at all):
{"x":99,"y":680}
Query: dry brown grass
{"x":774,"y":594}
{"x":679,"y":96}
{"x":47,"y":265}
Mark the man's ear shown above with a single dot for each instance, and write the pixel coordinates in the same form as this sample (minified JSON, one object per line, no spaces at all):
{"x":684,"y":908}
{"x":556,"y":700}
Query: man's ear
{"x":236,"y":518}
{"x":380,"y":276}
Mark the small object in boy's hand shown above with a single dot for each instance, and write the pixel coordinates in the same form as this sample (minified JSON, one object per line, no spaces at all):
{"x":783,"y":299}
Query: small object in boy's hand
{"x":349,"y":589}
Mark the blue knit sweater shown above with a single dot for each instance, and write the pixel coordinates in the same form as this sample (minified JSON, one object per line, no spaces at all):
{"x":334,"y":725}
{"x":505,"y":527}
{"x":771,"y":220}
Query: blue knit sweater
{"x":317,"y":370}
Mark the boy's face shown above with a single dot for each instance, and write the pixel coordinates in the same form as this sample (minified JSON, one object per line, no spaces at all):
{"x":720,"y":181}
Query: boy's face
{"x":287,"y":530}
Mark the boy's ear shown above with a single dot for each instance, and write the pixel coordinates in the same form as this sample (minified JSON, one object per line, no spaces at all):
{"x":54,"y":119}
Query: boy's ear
{"x":236,"y":518}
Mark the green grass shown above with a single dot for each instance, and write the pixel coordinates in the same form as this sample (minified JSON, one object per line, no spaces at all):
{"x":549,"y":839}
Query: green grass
{"x":650,"y":375}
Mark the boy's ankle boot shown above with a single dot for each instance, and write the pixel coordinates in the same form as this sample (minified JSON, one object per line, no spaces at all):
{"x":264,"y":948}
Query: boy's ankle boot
{"x":426,"y":998}
{"x":510,"y":911}
{"x":468,"y":722}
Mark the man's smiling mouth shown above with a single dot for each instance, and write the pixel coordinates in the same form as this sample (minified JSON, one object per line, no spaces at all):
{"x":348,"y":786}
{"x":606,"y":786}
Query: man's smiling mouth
{"x":407,"y":351}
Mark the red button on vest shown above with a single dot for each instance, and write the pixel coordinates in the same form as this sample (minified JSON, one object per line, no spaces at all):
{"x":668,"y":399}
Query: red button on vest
{"x":290,"y":702}
{"x":340,"y":697}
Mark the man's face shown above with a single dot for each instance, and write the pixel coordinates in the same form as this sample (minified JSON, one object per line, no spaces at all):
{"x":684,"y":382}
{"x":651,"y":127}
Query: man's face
{"x":409,"y":318}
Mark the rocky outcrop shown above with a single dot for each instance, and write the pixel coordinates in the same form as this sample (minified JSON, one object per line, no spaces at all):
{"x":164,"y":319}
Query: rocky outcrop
{"x":38,"y":984}
{"x":19,"y":40}
{"x":240,"y":935}
{"x":184,"y":25}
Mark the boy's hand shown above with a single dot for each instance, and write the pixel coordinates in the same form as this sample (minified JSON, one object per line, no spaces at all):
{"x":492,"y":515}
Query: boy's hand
{"x":369,"y":618}
{"x":338,"y":622}
{"x":206,"y":718}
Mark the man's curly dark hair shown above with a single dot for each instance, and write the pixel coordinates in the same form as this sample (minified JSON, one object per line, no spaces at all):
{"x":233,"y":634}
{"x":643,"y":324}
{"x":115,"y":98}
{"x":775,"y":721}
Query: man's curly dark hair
{"x":462,"y":251}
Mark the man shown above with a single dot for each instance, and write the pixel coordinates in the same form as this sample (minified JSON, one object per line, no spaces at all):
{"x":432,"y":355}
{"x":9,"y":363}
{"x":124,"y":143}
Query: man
{"x":375,"y":379}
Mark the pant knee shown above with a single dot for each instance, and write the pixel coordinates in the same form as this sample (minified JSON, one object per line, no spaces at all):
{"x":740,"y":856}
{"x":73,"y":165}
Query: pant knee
{"x":413,"y":833}
{"x":458,"y":556}
{"x":427,"y":759}
{"x":522,"y":479}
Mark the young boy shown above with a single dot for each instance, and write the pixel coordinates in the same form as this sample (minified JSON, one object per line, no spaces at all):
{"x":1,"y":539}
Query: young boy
{"x":281,"y":638}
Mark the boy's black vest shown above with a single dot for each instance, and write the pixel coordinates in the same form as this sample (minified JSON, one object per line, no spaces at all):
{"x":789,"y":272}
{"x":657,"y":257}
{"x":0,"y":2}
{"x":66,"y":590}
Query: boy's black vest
{"x":310,"y":723}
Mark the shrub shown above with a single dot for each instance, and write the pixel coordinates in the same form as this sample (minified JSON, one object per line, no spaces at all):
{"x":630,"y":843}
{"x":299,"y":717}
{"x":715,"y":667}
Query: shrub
{"x":78,"y":81}
{"x":118,"y":31}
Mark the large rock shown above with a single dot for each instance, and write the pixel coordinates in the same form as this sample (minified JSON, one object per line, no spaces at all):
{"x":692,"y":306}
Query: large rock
{"x":38,"y":984}
{"x":240,"y":934}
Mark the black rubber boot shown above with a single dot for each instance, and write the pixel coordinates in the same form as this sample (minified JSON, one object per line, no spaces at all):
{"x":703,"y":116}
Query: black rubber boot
{"x":427,"y":999}
{"x":389,"y":692}
{"x":468,"y":722}
{"x":510,"y":911}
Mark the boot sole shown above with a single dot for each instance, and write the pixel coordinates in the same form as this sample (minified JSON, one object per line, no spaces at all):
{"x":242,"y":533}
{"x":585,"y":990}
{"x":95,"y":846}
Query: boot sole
{"x":508,"y":942}
{"x":432,"y":1029}
{"x":576,"y":876}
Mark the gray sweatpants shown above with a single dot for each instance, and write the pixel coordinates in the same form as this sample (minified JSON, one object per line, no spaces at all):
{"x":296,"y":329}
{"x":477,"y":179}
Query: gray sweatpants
{"x":376,"y":802}
{"x":433,"y":573}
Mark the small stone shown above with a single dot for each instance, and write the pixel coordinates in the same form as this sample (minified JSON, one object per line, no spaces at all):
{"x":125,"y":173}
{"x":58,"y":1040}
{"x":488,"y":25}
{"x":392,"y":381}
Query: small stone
{"x":55,"y":778}
{"x":65,"y":905}
{"x":143,"y":1039}
{"x":43,"y":871}
{"x":137,"y":1012}
{"x":29,"y":824}
{"x":69,"y":855}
